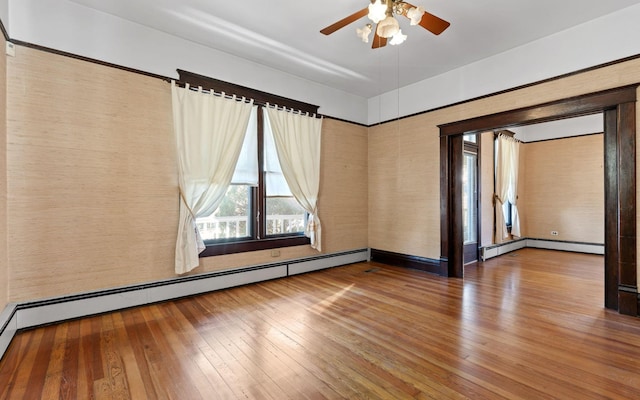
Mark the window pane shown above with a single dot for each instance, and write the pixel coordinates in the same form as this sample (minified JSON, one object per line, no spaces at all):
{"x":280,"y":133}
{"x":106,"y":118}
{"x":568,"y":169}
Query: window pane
{"x":469,"y":138}
{"x":284,"y":215}
{"x":246,"y":172}
{"x":275,"y":183}
{"x":231,"y":219}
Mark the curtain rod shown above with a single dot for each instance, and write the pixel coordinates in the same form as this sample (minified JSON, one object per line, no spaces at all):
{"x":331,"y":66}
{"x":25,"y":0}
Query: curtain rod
{"x":205,"y":90}
{"x":186,"y":85}
{"x":259,"y":97}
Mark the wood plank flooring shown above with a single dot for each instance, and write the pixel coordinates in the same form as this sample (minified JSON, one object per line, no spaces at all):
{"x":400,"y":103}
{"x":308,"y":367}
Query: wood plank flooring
{"x":527,"y":325}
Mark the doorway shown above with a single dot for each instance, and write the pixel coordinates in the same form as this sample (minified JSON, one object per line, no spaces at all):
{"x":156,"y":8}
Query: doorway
{"x":618,"y":106}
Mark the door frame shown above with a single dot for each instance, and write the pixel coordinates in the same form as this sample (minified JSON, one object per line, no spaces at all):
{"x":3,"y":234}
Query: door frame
{"x":619,"y":108}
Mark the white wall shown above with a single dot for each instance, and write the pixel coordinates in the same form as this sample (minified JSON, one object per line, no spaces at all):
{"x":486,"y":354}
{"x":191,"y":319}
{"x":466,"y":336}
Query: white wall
{"x":612,"y":37}
{"x":69,"y":27}
{"x":4,"y":13}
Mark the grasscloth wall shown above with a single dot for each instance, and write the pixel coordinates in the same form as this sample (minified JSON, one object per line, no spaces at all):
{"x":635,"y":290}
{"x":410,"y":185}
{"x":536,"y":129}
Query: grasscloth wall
{"x":92,"y":176}
{"x":409,"y":152}
{"x":564,"y":184}
{"x":404,"y":179}
{"x":92,"y":182}
{"x":4,"y":269}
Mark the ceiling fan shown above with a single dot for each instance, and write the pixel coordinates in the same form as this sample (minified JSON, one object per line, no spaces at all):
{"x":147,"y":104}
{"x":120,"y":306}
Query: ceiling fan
{"x":381,"y":12}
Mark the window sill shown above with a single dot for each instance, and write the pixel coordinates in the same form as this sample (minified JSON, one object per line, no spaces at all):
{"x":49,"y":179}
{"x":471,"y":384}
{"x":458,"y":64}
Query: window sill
{"x":217,"y":249}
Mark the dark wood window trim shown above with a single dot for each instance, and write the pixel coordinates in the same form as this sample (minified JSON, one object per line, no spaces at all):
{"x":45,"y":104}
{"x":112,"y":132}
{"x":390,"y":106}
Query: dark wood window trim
{"x":619,"y":107}
{"x":259,"y":239}
{"x":217,"y":249}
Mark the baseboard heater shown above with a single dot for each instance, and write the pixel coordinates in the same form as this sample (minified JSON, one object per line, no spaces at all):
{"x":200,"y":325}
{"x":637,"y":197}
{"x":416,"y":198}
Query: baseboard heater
{"x":19,"y":316}
{"x":495,"y":250}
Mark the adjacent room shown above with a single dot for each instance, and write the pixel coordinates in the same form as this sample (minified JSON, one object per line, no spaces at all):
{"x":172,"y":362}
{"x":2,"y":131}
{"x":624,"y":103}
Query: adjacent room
{"x":341,"y":199}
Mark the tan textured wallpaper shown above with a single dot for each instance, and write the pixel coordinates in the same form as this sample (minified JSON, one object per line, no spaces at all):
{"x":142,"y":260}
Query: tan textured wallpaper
{"x":92,"y":182}
{"x":564,"y":184}
{"x":91,"y":172}
{"x":4,"y":269}
{"x":404,"y":197}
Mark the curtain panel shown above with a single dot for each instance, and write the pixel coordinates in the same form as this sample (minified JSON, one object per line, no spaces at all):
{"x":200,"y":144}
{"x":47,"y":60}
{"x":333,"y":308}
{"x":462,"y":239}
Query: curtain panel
{"x":513,"y":187}
{"x":209,"y":130}
{"x":506,"y":186}
{"x":297,"y":142}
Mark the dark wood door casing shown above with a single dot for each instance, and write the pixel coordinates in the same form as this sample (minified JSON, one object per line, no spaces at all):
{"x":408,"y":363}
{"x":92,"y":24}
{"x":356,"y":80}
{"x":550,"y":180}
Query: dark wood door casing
{"x":619,"y":108}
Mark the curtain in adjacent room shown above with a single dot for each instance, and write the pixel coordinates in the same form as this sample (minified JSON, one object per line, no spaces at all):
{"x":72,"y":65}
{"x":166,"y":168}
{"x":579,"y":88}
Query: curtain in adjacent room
{"x":513,"y":187}
{"x":506,"y":186}
{"x":210,"y":130}
{"x":297,"y":141}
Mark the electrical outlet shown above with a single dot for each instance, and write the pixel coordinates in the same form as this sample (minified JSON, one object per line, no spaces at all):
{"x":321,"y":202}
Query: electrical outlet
{"x":275,"y":253}
{"x":554,"y":233}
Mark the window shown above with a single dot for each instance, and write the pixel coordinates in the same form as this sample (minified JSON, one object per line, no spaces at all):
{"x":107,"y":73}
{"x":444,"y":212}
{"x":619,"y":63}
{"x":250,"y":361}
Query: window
{"x":255,"y":214}
{"x":258,"y":210}
{"x":283,"y":213}
{"x":470,"y":138}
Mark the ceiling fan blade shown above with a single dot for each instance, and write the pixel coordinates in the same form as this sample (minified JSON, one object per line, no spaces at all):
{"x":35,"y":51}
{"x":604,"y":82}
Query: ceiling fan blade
{"x":429,"y":21}
{"x":378,"y":41}
{"x":433,"y":24}
{"x":345,"y":21}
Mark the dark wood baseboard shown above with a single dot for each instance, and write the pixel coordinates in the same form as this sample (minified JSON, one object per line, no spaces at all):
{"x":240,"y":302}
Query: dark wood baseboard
{"x":407,"y":261}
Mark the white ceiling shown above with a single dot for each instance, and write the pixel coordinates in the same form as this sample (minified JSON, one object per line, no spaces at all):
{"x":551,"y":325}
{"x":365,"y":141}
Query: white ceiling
{"x":284,"y":34}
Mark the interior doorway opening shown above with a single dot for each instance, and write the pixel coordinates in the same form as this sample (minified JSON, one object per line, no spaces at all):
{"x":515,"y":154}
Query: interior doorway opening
{"x":618,"y":106}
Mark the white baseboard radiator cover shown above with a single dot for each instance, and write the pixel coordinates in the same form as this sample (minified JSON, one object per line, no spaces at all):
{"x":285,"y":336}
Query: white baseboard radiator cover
{"x":18,"y":316}
{"x":503,"y":248}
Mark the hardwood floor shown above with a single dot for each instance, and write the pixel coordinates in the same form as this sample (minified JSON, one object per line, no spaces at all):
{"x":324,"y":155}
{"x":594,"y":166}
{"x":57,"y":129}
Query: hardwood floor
{"x":527,"y":325}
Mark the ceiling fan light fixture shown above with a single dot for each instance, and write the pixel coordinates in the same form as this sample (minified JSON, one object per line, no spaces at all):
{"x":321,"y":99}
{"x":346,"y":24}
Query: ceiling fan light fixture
{"x":398,"y":38}
{"x":388,"y":27}
{"x":415,"y":15}
{"x":364,"y":33}
{"x":383,"y":14}
{"x":377,"y":11}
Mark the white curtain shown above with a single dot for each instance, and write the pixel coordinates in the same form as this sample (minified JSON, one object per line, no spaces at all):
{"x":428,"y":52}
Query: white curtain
{"x":506,"y":188}
{"x":513,"y":187}
{"x":297,"y":141}
{"x":210,"y":130}
{"x":275,"y":182}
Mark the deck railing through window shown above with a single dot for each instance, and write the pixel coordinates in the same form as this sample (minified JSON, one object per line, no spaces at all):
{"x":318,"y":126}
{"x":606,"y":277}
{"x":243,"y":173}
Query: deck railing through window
{"x":214,"y":227}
